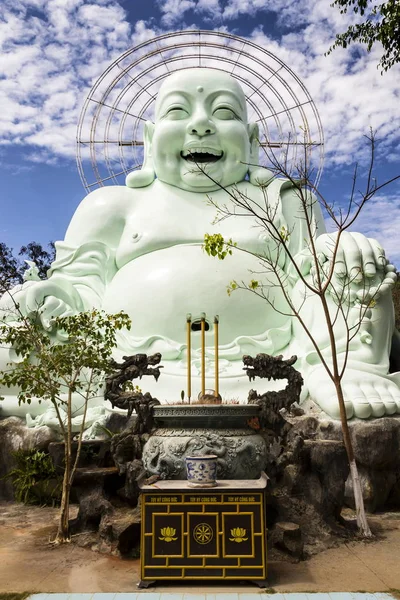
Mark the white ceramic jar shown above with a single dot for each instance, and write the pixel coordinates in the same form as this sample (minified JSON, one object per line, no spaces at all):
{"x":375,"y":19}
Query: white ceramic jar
{"x":201,"y":470}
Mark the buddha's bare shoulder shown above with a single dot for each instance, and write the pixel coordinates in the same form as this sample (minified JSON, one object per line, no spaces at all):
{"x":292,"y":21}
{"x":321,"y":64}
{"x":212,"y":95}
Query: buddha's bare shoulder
{"x":245,"y":189}
{"x":102,"y":214}
{"x":114,"y":203}
{"x":114,"y":198}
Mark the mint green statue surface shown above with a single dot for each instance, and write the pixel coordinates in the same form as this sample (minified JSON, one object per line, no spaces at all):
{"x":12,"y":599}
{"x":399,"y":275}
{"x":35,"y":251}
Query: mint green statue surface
{"x":139,"y":248}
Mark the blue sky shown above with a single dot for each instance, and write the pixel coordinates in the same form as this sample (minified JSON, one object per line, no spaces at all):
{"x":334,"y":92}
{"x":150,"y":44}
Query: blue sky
{"x":54,"y":50}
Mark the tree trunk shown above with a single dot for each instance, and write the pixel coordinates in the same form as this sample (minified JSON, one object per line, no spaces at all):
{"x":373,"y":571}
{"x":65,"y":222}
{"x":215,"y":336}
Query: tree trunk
{"x":287,"y":536}
{"x":362,"y":521}
{"x":358,"y":497}
{"x":63,"y":525}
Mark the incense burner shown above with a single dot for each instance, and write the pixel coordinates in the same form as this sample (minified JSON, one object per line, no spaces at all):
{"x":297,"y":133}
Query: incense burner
{"x":224,"y":430}
{"x":201,"y":470}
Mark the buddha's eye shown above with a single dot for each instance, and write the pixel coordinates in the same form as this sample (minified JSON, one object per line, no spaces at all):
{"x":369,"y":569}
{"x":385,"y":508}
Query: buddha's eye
{"x":176,"y":113}
{"x":224,"y":113}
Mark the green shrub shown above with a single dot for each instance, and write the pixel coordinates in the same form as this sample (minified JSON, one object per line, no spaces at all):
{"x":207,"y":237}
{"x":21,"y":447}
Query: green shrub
{"x":34,"y":478}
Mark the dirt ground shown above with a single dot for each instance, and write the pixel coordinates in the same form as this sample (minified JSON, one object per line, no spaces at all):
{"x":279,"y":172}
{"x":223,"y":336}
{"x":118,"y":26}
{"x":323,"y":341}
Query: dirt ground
{"x":28,"y":562}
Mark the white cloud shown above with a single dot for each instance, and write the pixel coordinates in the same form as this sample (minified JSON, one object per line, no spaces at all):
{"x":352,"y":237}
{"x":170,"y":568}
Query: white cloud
{"x":290,"y":13}
{"x":51,"y":52}
{"x":174,"y":10}
{"x":347,"y":87}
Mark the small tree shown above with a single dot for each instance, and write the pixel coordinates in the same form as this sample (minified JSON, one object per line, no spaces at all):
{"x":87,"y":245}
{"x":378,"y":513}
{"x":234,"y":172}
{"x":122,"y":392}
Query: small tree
{"x":319,"y":274}
{"x":381,"y":23}
{"x":39,"y":255}
{"x":62,"y":372}
{"x":12,"y":268}
{"x":9,"y":268}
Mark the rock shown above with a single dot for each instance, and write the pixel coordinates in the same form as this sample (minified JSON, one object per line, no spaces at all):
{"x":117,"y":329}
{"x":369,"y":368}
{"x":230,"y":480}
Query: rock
{"x":94,"y":453}
{"x":130,"y":492}
{"x":117,"y":422}
{"x":306,"y":426}
{"x":376,"y":488}
{"x":292,"y":477}
{"x":394,"y":365}
{"x":328,"y":461}
{"x":119,"y":532}
{"x":126,"y":447}
{"x":376,"y":443}
{"x":318,"y":472}
{"x":287,"y":536}
{"x":319,"y":475}
{"x":90,"y":489}
{"x":296,"y":410}
{"x":15,"y":435}
{"x":393,"y":501}
{"x":307,"y":490}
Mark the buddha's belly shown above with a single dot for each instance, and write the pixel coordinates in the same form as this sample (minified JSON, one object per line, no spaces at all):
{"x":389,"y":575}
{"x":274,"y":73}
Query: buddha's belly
{"x":158,"y":289}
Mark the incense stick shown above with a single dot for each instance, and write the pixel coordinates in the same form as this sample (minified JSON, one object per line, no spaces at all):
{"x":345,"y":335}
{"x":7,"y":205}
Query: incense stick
{"x":189,"y":354}
{"x":203,"y":353}
{"x":216,"y":357}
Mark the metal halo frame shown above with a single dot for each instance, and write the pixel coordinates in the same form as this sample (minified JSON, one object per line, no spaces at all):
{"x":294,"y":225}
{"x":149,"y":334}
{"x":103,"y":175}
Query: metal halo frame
{"x":110,"y":128}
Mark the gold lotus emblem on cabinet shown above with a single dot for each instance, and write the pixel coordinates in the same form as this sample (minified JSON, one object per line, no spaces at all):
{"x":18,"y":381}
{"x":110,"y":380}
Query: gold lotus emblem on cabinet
{"x":168,"y":534}
{"x":238,"y":534}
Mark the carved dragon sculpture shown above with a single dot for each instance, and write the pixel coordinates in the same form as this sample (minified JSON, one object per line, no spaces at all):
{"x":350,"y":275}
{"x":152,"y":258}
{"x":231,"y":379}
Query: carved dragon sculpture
{"x":133,"y":367}
{"x":271,"y":403}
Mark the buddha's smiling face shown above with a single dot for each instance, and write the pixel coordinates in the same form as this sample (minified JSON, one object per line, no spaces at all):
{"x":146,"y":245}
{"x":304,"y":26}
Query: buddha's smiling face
{"x":201,"y":139}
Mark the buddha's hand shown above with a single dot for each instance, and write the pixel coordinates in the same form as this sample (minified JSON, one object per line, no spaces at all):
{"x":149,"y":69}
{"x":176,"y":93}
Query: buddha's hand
{"x":360,"y":265}
{"x":48,"y":299}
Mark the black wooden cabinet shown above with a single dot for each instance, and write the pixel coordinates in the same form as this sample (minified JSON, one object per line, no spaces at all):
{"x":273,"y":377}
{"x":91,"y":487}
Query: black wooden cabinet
{"x":192,"y":533}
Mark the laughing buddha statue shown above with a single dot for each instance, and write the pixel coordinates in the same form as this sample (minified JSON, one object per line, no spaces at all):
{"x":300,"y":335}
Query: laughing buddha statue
{"x":138,"y":248}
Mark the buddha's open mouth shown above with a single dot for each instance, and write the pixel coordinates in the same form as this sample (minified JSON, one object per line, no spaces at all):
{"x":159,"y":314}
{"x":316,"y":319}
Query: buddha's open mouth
{"x":201,"y":155}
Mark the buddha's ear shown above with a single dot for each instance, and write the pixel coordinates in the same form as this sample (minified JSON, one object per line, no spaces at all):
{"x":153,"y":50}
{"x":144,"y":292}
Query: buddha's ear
{"x":148,"y":140}
{"x":258,"y":175}
{"x":254,"y":143}
{"x":146,"y":175}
